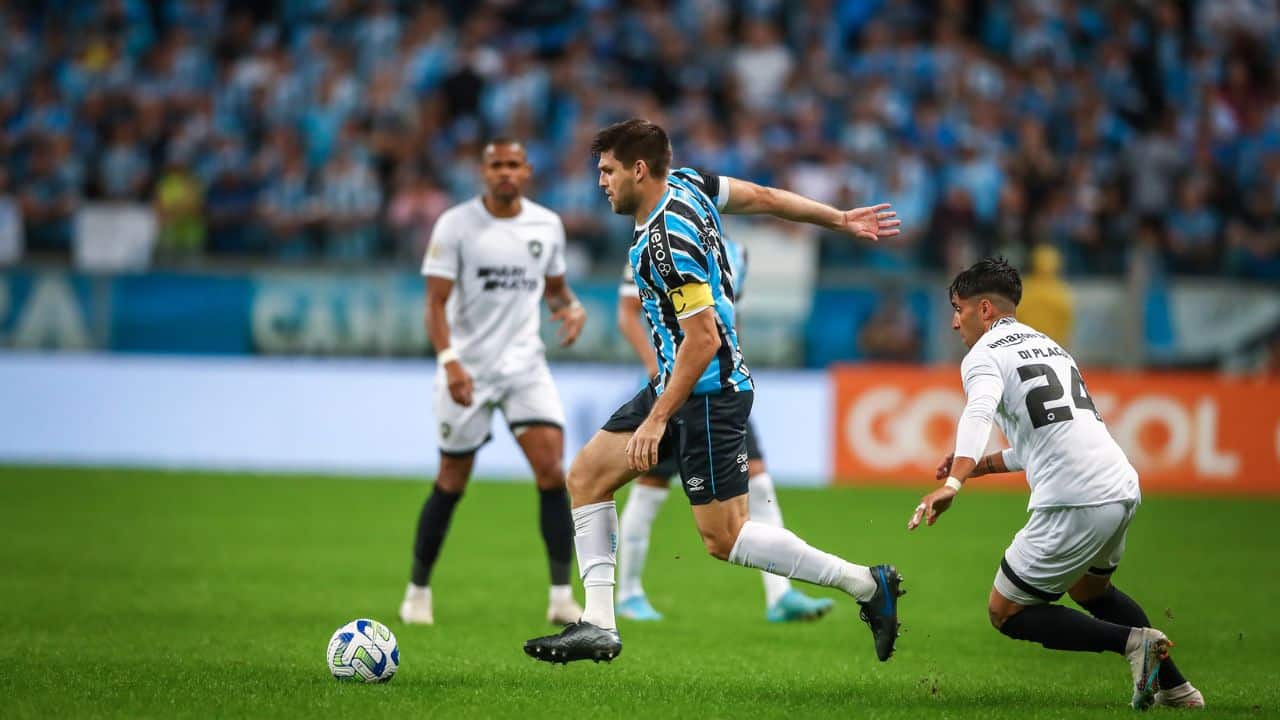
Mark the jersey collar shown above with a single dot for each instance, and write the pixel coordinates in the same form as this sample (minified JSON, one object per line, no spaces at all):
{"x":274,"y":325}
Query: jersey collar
{"x":662,"y":204}
{"x":1006,"y":320}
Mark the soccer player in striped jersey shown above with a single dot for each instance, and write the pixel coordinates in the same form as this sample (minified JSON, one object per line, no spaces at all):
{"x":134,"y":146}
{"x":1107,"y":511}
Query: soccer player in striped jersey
{"x":696,"y":409}
{"x":783,"y":603}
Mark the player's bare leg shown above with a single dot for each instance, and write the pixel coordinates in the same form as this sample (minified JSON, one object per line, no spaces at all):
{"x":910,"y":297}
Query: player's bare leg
{"x":598,"y":471}
{"x":648,"y":493}
{"x":1103,"y":600}
{"x":1060,"y":628}
{"x":543,"y":446}
{"x":433,"y":525}
{"x":782,"y":602}
{"x":729,"y":534}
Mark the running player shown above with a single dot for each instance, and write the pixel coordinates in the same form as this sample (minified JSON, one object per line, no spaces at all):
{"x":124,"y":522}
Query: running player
{"x":783,"y":603}
{"x":1084,"y":492}
{"x":491,"y":261}
{"x":696,"y":408}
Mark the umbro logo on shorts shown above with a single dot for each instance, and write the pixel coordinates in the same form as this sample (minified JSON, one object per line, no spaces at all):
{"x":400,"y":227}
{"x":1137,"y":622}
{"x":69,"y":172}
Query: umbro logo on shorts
{"x":695,"y":483}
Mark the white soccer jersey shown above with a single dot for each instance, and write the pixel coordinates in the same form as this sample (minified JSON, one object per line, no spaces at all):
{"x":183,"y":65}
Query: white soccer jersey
{"x":1041,"y":404}
{"x":499,"y":268}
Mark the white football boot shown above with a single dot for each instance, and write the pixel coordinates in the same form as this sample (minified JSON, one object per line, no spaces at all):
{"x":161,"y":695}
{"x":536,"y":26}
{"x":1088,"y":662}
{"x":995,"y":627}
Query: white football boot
{"x":1146,"y":649}
{"x":416,"y":608}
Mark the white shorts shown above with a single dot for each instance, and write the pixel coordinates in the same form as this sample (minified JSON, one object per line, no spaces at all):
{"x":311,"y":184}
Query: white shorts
{"x":1058,"y":546}
{"x":528,"y":400}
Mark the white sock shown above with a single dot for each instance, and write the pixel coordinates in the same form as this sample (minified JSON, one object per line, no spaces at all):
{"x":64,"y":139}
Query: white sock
{"x":595,"y":538}
{"x":561,"y":594}
{"x":762,"y":504}
{"x":637,"y":522}
{"x":780,"y":551}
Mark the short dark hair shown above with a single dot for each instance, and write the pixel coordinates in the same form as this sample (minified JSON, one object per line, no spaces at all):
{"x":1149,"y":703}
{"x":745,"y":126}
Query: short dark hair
{"x":501,"y":140}
{"x":635,"y":139}
{"x":988,"y":276}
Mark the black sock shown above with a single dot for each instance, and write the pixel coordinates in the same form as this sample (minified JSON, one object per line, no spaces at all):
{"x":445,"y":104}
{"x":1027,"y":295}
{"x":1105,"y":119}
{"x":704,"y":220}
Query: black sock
{"x":1061,"y":628}
{"x":433,"y":524}
{"x":1114,"y":606}
{"x":557,"y":532}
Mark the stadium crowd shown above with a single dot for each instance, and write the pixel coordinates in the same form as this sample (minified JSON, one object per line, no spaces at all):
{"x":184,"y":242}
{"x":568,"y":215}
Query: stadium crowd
{"x":339,"y":130}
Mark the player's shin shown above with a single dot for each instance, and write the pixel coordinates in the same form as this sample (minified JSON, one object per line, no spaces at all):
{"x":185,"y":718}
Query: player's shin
{"x":433,"y":525}
{"x":1061,"y":628}
{"x":596,"y":540}
{"x":556,"y":524}
{"x":781,"y":552}
{"x":637,"y":523}
{"x":762,"y":502}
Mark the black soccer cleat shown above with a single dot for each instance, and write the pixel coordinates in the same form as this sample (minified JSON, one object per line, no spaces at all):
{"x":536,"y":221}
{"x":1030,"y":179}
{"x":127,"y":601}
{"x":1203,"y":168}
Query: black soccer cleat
{"x":880,"y":613}
{"x":578,"y":641}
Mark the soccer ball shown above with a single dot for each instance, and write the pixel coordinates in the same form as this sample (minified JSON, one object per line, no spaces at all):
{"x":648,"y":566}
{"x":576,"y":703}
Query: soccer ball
{"x":363,"y":650}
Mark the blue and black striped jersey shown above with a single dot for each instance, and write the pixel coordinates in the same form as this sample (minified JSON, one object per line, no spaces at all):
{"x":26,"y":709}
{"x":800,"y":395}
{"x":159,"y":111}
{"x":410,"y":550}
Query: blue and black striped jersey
{"x":681,"y":243}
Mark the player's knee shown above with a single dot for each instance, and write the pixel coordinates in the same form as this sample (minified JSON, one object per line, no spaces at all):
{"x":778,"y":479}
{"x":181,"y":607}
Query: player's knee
{"x":549,"y":475}
{"x":453,"y":483}
{"x":582,"y":482}
{"x":718,"y":542}
{"x":996,"y":616}
{"x":454,"y":472}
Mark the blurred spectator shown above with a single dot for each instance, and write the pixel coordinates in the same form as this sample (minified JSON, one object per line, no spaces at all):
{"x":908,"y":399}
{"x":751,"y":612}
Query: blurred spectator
{"x":892,"y":333}
{"x":229,"y":207}
{"x":418,"y":203}
{"x":1193,"y":231}
{"x":179,"y":204}
{"x":11,"y":239}
{"x":49,"y":204}
{"x":761,"y":65}
{"x":1046,"y":300}
{"x":123,"y":173}
{"x":287,"y":210}
{"x":1253,"y":239}
{"x":348,"y":203}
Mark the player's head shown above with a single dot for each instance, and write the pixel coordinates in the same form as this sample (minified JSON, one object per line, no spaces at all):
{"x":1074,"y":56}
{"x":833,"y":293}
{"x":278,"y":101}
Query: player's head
{"x":633,"y":155}
{"x":505,"y":168}
{"x":987,"y":291}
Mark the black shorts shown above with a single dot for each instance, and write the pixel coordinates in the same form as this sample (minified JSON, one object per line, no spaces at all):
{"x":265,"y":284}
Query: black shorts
{"x":668,"y":467}
{"x":706,"y":439}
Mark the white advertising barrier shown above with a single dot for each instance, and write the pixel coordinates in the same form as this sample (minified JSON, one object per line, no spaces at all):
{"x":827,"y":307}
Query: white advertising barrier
{"x":325,"y":416}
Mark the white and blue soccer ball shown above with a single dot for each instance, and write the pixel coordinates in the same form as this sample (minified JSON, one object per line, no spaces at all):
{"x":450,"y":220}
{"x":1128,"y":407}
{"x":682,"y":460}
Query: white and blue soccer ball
{"x":363,"y":650}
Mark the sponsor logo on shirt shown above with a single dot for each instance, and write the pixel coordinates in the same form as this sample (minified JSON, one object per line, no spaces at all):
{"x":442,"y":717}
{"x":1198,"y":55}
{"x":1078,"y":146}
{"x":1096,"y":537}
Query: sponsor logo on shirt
{"x":506,"y":277}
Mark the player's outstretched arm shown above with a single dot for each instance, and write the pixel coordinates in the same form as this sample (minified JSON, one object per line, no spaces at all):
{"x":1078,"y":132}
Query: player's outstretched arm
{"x":631,"y":327}
{"x":869,"y":223}
{"x":701,"y":342}
{"x":565,"y":309}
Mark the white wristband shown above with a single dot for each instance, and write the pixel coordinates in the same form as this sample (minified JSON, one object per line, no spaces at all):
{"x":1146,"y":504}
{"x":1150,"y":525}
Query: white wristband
{"x":954,"y":484}
{"x":446,"y":356}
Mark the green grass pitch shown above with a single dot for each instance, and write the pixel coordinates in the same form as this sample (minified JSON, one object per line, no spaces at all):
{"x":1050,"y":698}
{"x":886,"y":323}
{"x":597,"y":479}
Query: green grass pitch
{"x":147,"y":594}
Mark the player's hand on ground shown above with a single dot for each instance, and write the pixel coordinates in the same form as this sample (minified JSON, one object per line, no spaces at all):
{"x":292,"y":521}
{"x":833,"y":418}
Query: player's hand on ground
{"x":944,"y":467}
{"x":871,"y":223}
{"x":931,"y":506}
{"x":571,"y":320}
{"x":460,"y":384}
{"x":642,"y":448}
